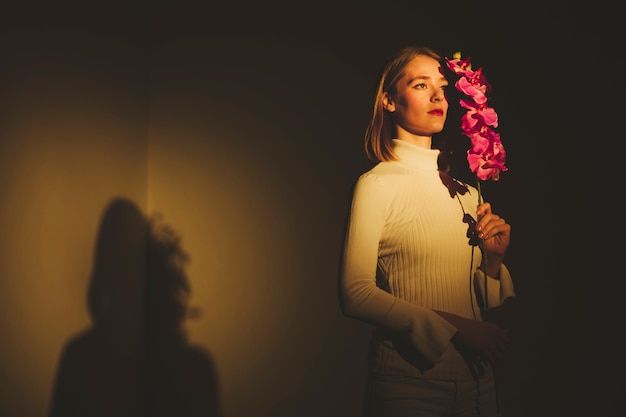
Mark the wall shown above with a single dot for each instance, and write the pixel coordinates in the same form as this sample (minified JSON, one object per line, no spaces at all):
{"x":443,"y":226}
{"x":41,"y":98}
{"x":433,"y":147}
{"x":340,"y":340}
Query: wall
{"x":73,"y":138}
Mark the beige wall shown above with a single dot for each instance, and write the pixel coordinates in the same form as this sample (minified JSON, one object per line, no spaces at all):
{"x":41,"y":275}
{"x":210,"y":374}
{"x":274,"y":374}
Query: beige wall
{"x":244,"y":172}
{"x":234,"y":160}
{"x":66,"y":149}
{"x":72,"y":137}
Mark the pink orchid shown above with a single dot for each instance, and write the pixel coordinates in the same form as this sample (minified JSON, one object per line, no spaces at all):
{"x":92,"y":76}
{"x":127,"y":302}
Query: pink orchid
{"x":460,"y":66}
{"x":488,"y":164}
{"x":486,"y":157}
{"x":478,"y":78}
{"x":483,"y":140}
{"x":477,"y":116}
{"x":477,"y":91}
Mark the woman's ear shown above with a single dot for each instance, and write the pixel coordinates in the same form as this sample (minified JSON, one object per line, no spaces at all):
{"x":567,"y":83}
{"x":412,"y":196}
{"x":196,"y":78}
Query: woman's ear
{"x":388,"y":103}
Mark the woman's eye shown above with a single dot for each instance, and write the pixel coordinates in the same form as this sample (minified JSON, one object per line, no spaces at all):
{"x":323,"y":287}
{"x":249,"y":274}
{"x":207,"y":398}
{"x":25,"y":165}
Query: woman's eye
{"x":420,"y":86}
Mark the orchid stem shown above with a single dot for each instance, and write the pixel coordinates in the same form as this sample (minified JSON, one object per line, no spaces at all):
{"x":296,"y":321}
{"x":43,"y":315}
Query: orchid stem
{"x":484,"y":256}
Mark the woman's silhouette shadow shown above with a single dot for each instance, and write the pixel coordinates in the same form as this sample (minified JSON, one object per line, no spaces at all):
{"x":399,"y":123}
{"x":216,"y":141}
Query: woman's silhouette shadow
{"x":135,"y":359}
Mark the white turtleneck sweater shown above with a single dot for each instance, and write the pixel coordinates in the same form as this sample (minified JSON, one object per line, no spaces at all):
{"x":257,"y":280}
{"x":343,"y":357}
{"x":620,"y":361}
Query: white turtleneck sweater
{"x":406,"y":254}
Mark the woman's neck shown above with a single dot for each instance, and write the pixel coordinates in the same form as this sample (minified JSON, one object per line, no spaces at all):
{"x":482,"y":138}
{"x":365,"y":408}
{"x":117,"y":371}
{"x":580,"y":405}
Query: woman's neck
{"x":421,"y":141}
{"x":417,"y":140}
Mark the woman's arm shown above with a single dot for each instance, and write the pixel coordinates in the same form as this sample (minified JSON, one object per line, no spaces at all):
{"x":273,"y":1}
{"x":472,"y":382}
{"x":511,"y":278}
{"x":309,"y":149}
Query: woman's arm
{"x":361,"y":298}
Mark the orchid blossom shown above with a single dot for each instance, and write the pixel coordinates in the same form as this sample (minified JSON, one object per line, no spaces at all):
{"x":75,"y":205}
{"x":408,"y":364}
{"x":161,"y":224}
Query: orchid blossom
{"x":486,"y":156}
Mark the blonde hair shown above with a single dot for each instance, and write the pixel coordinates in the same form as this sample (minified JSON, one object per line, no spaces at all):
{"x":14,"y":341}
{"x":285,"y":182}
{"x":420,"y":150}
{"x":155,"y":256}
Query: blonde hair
{"x":381,"y":129}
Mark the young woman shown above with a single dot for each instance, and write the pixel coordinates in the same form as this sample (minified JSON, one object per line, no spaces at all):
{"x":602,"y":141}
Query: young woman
{"x":410,"y":265}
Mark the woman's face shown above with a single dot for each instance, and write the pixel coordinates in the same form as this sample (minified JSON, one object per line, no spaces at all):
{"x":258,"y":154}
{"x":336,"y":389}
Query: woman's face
{"x":420,"y":105}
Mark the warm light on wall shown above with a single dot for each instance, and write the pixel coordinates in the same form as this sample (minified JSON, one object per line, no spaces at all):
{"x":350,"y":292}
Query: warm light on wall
{"x":240,"y":220}
{"x":58,"y":175}
{"x":254,"y":215}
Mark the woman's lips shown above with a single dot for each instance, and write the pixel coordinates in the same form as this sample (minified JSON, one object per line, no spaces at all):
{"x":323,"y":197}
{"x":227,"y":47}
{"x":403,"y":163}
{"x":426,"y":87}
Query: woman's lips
{"x":437,"y":112}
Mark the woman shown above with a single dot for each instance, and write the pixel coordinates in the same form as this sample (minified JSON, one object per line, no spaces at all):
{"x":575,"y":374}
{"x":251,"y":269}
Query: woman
{"x":408,"y":266}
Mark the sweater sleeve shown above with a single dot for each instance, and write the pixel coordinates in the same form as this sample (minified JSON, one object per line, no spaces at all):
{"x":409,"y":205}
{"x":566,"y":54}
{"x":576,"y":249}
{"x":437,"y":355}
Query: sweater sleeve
{"x":361,"y":298}
{"x":497,"y":290}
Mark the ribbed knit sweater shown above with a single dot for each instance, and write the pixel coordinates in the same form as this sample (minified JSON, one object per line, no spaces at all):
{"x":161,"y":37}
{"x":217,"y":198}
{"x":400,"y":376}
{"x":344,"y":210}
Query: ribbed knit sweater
{"x":406,"y":254}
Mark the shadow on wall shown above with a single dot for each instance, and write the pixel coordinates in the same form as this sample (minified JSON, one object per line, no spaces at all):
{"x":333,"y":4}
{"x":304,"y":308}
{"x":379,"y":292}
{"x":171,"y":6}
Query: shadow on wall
{"x":135,"y":359}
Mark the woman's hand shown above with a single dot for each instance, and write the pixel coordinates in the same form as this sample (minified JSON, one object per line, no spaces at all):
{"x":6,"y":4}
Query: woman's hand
{"x":482,"y":339}
{"x":495,"y":234}
{"x":478,"y":340}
